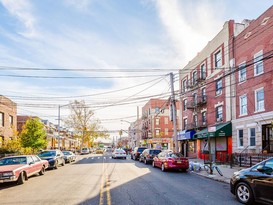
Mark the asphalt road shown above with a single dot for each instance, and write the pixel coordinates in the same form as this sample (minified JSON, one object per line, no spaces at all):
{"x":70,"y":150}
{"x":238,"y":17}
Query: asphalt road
{"x":101,"y":180}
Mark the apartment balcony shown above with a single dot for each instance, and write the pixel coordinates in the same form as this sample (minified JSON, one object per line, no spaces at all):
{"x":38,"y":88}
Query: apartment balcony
{"x":200,"y":79}
{"x":201,"y":101}
{"x":190,"y":126}
{"x":202,"y":124}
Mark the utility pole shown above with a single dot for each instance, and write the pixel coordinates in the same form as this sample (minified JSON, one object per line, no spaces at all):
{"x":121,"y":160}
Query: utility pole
{"x":173,"y":103}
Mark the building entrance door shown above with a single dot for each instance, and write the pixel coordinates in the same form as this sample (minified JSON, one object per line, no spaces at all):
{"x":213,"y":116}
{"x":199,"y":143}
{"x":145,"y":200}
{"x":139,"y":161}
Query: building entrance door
{"x":267,"y":143}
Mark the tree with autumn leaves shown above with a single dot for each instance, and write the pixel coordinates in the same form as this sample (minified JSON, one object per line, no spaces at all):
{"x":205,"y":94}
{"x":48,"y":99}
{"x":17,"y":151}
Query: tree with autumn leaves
{"x":83,"y":123}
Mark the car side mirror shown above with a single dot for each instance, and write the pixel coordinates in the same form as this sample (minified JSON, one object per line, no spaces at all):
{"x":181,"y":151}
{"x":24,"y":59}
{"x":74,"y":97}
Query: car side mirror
{"x":265,"y":169}
{"x":31,"y":163}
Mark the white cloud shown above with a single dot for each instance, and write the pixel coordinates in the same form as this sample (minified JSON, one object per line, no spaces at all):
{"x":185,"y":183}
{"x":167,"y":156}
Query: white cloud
{"x":22,"y":10}
{"x":189,"y":26}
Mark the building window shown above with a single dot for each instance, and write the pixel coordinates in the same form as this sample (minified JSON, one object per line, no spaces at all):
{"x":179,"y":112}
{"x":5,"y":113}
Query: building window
{"x":203,"y":91}
{"x":195,"y":120}
{"x":184,"y":85}
{"x":218,"y":59}
{"x":194,"y":77}
{"x":252,"y":137}
{"x":185,"y":105}
{"x":218,"y":87}
{"x":157,"y":121}
{"x":185,"y":123}
{"x":166,"y":121}
{"x":242,"y":72}
{"x":204,"y":118}
{"x":203,"y":72}
{"x":243,"y":105}
{"x":2,"y":119}
{"x":11,"y":120}
{"x":240,"y":138}
{"x":259,"y":100}
{"x":258,"y":63}
{"x":157,"y":132}
{"x":219,"y":114}
{"x":166,"y":131}
{"x":195,"y":98}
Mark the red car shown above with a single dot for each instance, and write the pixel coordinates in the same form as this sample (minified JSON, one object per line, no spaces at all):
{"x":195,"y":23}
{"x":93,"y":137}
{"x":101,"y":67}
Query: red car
{"x":167,"y":160}
{"x":20,"y":168}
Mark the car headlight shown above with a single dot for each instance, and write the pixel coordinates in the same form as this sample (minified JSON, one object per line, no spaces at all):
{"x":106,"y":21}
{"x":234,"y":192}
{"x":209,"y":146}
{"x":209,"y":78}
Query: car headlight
{"x":7,"y":174}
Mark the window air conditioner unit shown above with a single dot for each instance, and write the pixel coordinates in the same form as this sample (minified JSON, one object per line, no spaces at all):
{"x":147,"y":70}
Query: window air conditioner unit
{"x":220,"y":119}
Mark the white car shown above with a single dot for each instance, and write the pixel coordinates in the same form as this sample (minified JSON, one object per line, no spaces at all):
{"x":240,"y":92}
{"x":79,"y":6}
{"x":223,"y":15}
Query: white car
{"x":119,"y":153}
{"x":85,"y":150}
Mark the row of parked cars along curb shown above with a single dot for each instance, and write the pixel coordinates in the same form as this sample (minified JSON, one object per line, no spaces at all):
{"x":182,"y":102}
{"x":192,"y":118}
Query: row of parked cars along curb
{"x":20,"y":167}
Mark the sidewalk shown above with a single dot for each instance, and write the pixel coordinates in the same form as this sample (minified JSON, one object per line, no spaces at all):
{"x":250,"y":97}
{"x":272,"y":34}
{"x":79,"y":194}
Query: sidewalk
{"x":226,"y":170}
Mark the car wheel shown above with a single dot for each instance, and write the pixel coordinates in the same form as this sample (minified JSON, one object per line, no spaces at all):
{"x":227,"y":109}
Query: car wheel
{"x":163,"y":169}
{"x":56,"y":165}
{"x":42,"y":171}
{"x":21,"y":179}
{"x":244,"y":193}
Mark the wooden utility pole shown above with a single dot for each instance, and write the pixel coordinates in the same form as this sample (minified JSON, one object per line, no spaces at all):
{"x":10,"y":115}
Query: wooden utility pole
{"x":173,"y":114}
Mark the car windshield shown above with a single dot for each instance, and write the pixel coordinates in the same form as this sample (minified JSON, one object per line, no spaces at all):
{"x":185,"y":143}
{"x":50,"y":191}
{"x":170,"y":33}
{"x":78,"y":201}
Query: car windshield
{"x":141,"y":149}
{"x":119,"y":150}
{"x":13,"y":160}
{"x":47,"y":154}
{"x":66,"y":153}
{"x":155,"y":151}
{"x":174,"y":155}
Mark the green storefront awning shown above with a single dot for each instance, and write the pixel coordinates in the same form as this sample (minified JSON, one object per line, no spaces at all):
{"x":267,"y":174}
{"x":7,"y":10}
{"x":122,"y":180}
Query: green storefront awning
{"x":219,"y":130}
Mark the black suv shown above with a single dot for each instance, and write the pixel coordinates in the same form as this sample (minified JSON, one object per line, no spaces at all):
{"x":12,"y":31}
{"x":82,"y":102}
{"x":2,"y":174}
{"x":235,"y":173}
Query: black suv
{"x":254,"y":184}
{"x":54,"y":158}
{"x":136,"y":152}
{"x":147,"y":156}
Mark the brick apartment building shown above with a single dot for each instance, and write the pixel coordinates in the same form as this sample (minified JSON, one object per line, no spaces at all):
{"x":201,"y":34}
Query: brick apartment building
{"x":225,"y":92}
{"x":205,"y":97}
{"x":252,"y":59}
{"x":8,"y":121}
{"x":157,"y":127}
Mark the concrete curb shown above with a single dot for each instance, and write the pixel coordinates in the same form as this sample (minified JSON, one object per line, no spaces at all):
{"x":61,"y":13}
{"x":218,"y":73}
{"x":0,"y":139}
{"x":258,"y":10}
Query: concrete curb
{"x":212,"y":177}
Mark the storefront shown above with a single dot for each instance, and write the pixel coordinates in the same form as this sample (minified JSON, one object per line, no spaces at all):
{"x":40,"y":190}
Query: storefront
{"x":187,"y":145}
{"x":218,"y":138}
{"x":160,"y":143}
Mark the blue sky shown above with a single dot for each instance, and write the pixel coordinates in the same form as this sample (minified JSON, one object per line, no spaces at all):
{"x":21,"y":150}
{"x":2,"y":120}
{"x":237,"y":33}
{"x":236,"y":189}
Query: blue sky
{"x":104,"y":34}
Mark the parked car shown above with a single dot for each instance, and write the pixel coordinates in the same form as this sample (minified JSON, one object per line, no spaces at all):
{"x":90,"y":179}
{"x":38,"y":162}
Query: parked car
{"x":85,"y":150}
{"x":54,"y":158}
{"x":147,"y":156}
{"x":136,"y":152}
{"x":69,"y":156}
{"x":20,"y":168}
{"x":167,"y":160}
{"x":118,"y":153}
{"x":254,"y":184}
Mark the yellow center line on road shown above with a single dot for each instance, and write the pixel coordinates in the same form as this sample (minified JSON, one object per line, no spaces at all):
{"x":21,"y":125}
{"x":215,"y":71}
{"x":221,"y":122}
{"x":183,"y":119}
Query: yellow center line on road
{"x":101,"y":185}
{"x":105,"y":183}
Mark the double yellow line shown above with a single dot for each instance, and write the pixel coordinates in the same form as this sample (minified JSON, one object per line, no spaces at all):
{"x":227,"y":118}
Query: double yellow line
{"x":105,"y":185}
